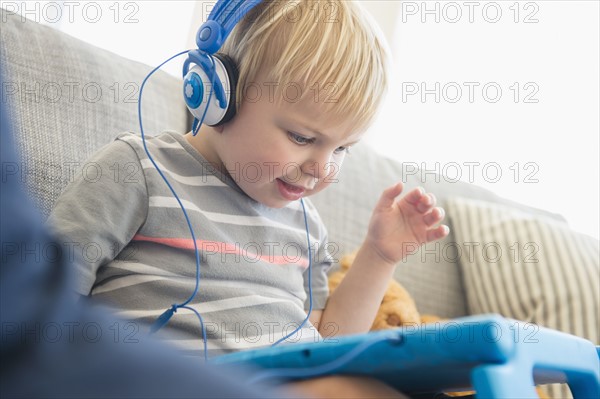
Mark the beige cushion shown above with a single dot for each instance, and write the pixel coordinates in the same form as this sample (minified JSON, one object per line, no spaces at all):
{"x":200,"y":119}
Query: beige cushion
{"x":527,"y":267}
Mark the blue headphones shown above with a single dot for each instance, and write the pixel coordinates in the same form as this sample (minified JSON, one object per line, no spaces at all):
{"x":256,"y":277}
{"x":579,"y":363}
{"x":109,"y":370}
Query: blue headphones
{"x":213,"y":72}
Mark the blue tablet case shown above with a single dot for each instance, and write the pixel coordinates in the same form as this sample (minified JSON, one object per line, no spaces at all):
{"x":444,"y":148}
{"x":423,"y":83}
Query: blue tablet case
{"x":495,"y":356}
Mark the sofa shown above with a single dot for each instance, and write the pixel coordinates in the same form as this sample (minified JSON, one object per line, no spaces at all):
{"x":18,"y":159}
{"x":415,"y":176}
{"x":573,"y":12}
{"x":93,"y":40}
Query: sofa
{"x":68,"y":98}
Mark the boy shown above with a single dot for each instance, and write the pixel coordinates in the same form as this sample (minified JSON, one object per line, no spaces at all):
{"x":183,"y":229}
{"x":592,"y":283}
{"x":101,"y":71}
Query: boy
{"x":311,"y":78}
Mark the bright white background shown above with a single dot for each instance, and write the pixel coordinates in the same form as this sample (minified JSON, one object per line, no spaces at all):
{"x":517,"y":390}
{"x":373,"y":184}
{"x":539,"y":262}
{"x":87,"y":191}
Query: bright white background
{"x":504,"y":86}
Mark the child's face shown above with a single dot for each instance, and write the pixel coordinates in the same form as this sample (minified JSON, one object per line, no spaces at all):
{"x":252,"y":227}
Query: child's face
{"x":267,"y":143}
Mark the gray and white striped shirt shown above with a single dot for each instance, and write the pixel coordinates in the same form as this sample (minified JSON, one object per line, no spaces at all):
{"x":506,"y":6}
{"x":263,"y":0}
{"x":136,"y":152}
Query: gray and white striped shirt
{"x":135,"y":253}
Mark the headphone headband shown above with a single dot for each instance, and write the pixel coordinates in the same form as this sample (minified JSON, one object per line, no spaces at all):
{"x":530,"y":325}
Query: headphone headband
{"x":203,"y":74}
{"x":221,"y":21}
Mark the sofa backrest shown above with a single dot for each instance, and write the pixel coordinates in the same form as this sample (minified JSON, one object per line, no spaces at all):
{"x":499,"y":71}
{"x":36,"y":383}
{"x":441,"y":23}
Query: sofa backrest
{"x":67,"y":98}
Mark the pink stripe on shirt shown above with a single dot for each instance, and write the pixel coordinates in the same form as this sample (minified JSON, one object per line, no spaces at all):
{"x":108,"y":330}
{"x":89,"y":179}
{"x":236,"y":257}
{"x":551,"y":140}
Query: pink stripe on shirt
{"x":214,"y":247}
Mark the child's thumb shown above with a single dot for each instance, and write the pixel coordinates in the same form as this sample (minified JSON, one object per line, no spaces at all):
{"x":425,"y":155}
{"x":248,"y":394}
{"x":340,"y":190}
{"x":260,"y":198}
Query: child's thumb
{"x":389,"y":195}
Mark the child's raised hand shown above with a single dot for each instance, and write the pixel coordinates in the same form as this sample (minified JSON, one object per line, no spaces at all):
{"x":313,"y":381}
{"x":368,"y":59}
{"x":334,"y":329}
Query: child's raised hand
{"x":397,"y":226}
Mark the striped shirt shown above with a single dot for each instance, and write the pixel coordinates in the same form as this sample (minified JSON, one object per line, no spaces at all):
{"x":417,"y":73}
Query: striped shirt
{"x":134,"y":253}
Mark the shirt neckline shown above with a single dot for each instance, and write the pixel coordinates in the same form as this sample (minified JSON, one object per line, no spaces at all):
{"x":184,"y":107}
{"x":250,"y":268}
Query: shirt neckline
{"x":204,"y":163}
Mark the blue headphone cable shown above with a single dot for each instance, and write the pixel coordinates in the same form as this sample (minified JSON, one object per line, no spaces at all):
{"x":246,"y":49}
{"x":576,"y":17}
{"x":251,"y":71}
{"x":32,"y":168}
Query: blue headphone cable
{"x":166,"y":315}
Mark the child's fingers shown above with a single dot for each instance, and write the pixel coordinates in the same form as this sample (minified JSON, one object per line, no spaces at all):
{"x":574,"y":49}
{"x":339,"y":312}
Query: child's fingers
{"x":415,"y":195}
{"x":426,"y":203}
{"x":437,"y":233}
{"x":434,"y":216}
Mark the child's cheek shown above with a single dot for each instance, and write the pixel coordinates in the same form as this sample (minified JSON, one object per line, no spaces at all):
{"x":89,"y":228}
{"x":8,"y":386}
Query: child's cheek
{"x":332,"y":170}
{"x":323,"y":184}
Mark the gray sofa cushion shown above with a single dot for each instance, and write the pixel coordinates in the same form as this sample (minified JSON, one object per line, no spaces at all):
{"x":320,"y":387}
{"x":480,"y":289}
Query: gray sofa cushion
{"x":431,"y":275}
{"x":69,"y":98}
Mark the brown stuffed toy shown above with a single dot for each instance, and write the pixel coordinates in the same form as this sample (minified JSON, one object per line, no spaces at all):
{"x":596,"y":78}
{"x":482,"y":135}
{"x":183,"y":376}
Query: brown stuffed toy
{"x":397,"y":309}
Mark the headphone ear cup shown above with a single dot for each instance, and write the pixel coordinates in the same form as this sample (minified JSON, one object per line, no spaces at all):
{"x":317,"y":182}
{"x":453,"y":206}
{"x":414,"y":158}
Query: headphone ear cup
{"x":197,"y":87}
{"x":233,"y":74}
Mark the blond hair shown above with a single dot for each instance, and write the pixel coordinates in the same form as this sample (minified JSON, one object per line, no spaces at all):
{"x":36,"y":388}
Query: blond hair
{"x":332,"y":50}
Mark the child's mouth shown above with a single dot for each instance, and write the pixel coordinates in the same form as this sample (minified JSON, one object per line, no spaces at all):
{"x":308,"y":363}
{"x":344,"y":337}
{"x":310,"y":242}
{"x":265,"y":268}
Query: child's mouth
{"x":289,"y":192}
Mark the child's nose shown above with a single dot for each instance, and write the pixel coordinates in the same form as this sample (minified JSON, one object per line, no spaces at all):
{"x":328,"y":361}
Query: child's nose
{"x":319,"y":169}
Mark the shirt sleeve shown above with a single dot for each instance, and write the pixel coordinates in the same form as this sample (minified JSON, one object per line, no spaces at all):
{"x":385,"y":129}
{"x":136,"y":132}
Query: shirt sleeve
{"x":322,"y":260}
{"x":100,"y":211}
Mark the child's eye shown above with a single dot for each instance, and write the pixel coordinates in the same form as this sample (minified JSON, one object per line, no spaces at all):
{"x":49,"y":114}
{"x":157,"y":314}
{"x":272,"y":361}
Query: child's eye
{"x":300,"y":139}
{"x":340,"y":150}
